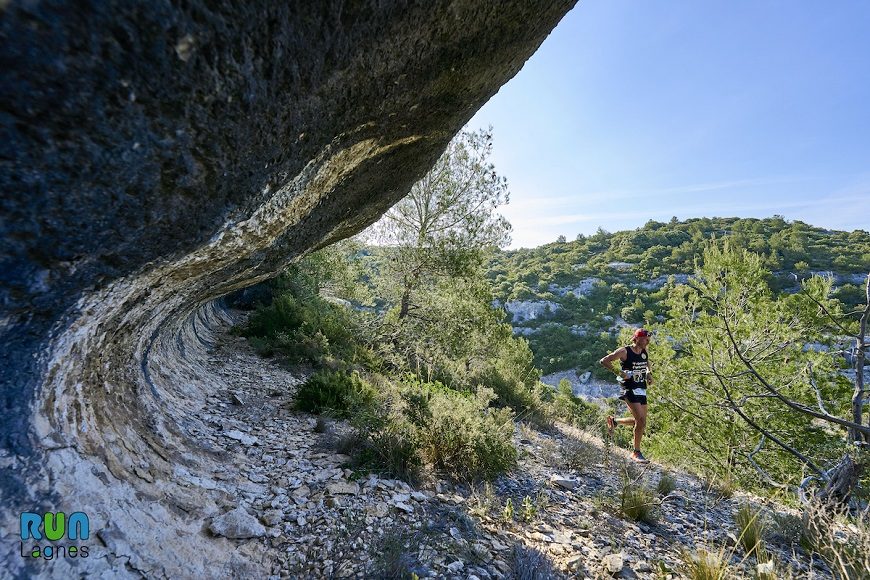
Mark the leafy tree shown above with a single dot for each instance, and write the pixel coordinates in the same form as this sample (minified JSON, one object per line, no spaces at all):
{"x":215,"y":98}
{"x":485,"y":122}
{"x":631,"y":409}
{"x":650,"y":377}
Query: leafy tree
{"x":447,"y":221}
{"x":739,"y":387}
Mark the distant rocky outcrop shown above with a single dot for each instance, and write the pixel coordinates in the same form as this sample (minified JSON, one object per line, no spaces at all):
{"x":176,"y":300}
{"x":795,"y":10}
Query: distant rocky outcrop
{"x":525,"y":310}
{"x":157,"y":156}
{"x":583,"y":385}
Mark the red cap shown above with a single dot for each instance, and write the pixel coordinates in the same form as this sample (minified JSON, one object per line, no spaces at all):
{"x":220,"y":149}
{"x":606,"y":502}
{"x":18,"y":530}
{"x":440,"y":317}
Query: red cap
{"x":642,"y":333}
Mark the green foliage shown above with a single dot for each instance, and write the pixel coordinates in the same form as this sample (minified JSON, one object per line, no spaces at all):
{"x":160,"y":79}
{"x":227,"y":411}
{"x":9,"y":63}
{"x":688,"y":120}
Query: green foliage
{"x":638,"y":503}
{"x":710,"y":401}
{"x":334,"y":392}
{"x":507,"y":513}
{"x":462,"y":342}
{"x":445,"y":226}
{"x":529,"y":510}
{"x":666,"y":484}
{"x":557,"y":348}
{"x":459,"y":433}
{"x":412,"y":423}
{"x":655,"y":251}
{"x":383,"y":438}
{"x":300,"y":324}
{"x":575,"y":410}
{"x":850,"y":296}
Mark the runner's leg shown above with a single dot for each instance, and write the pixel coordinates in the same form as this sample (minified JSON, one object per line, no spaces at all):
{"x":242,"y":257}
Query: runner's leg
{"x":638,"y":412}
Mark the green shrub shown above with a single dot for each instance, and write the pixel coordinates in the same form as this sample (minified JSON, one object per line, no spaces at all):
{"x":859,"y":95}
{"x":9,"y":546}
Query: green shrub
{"x":514,"y":379}
{"x":262,"y":346}
{"x":383,"y":439}
{"x":336,"y":392}
{"x":394,"y":449}
{"x":302,"y":328}
{"x":575,"y":410}
{"x":666,"y":484}
{"x":461,"y":435}
{"x":413,"y":423}
{"x":638,"y":503}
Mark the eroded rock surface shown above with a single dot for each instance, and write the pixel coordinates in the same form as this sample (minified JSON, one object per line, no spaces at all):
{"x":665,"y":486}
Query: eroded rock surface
{"x":156,"y":156}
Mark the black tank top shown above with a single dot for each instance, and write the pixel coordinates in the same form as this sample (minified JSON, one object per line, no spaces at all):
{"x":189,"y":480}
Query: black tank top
{"x":636,"y":366}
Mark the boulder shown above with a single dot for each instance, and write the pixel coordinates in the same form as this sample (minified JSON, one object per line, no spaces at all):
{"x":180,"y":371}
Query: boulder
{"x":237,"y":524}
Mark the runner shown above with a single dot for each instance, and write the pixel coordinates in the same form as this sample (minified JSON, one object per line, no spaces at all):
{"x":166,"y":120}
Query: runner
{"x":634,"y":377}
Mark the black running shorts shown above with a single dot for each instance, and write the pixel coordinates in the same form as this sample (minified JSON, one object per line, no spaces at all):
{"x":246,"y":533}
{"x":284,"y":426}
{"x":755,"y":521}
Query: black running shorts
{"x":629,"y":397}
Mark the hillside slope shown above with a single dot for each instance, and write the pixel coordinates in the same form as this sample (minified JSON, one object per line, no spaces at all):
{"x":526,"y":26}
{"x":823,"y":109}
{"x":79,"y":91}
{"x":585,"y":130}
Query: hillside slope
{"x":570,"y":299}
{"x":298,"y":510}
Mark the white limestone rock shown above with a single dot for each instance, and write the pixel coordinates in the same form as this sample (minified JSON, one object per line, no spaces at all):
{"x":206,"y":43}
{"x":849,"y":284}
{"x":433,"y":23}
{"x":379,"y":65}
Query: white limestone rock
{"x":237,"y":524}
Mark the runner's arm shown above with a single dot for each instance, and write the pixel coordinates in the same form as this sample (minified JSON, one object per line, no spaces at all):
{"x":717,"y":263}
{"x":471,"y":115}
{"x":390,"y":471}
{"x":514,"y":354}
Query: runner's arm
{"x":607,"y":362}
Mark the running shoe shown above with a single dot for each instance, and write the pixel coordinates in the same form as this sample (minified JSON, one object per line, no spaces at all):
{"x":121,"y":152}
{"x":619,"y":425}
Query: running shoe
{"x":638,"y":457}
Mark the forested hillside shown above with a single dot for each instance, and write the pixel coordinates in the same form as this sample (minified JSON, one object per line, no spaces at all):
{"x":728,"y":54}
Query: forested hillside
{"x":570,"y":298}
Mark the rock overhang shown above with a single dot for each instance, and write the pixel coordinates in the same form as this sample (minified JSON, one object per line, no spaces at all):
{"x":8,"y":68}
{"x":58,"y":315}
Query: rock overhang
{"x":157,"y":156}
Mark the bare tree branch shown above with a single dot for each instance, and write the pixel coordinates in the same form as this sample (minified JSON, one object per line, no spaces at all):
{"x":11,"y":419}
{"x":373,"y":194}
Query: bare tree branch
{"x":791,"y":404}
{"x":764,"y":475}
{"x":803,"y":458}
{"x":816,"y":388}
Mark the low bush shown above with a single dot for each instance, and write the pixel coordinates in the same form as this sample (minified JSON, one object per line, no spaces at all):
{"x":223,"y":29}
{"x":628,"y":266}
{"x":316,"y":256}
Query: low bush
{"x":335,"y":392}
{"x":639,"y":503}
{"x":666,"y":484}
{"x":459,"y":433}
{"x":302,"y":329}
{"x":395,"y":449}
{"x":530,"y":564}
{"x":412,"y":423}
{"x":579,"y":454}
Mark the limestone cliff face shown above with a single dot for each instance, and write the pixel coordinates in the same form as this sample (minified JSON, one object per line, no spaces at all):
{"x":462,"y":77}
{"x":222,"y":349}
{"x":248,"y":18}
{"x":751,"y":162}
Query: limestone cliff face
{"x":158,"y":155}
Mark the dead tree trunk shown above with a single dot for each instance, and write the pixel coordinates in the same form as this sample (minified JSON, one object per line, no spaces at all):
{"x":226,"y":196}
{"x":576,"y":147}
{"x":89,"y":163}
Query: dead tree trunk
{"x":842,"y":480}
{"x":858,"y":394}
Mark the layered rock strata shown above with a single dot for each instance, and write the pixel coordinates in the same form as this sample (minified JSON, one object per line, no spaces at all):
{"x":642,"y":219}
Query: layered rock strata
{"x":156,"y":156}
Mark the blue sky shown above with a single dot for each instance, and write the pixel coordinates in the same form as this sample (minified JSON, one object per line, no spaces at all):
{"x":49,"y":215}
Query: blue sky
{"x":634,"y":110}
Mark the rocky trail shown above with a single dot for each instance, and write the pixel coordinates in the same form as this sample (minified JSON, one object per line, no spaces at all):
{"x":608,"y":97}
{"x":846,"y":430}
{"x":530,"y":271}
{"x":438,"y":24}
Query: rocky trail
{"x":300,"y":511}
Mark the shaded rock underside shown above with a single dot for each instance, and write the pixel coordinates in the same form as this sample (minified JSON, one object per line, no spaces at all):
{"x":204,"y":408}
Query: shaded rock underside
{"x":155,"y":156}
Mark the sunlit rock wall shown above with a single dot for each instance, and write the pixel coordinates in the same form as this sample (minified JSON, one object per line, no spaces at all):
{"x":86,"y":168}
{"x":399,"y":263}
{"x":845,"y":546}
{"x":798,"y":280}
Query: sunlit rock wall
{"x":155,"y":156}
